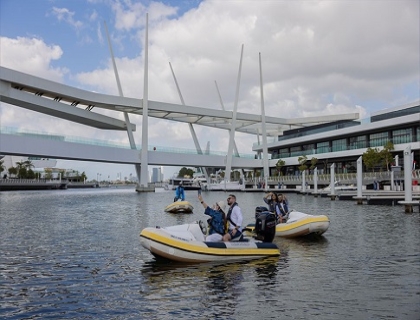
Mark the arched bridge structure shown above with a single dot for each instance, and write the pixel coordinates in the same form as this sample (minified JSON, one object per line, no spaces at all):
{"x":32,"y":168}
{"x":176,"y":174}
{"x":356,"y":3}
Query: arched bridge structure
{"x":81,"y":106}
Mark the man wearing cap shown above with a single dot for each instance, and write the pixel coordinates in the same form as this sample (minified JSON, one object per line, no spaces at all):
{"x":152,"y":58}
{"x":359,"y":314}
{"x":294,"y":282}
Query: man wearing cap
{"x":235,"y":218}
{"x":217,"y":220}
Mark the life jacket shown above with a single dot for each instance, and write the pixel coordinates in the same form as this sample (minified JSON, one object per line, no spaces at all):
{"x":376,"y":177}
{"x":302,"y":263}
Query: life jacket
{"x":228,"y":219}
{"x":282,"y":208}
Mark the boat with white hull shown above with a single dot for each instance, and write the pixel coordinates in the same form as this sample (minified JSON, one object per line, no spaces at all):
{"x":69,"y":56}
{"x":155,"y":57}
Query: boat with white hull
{"x":179,"y":207}
{"x":299,"y":224}
{"x":186,"y":243}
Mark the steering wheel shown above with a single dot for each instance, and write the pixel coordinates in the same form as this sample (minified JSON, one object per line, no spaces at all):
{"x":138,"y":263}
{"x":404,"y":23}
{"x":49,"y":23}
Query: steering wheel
{"x":202,"y":227}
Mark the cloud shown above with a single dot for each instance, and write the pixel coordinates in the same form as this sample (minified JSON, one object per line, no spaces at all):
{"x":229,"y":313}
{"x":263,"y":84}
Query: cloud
{"x":318,"y":58}
{"x":64,"y":14}
{"x":33,"y":56}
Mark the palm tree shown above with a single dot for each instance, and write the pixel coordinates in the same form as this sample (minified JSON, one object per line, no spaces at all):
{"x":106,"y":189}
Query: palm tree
{"x":28,"y":164}
{"x":21,"y":169}
{"x":280,"y":163}
{"x":302,"y":160}
{"x":20,"y":165}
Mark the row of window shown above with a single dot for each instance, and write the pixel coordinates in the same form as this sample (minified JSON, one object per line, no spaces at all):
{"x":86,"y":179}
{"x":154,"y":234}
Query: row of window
{"x":372,"y":140}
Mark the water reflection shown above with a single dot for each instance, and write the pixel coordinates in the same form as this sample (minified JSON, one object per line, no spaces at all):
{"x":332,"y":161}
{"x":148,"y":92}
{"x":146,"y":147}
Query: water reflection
{"x":221,"y":286}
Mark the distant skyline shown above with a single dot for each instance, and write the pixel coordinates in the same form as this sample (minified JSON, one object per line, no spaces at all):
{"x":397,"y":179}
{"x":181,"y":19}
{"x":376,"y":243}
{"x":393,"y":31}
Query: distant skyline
{"x":318,"y":58}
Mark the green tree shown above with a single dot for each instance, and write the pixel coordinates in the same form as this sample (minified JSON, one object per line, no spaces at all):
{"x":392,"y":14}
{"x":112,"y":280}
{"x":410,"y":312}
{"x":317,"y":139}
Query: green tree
{"x":21,"y":170}
{"x":28,"y":164}
{"x":372,"y":158}
{"x":30,"y":174}
{"x":386,"y":154}
{"x":302,"y":163}
{"x":83,"y":177}
{"x":22,"y":173}
{"x":313,"y":163}
{"x":280,"y":163}
{"x":185,"y":173}
{"x":12,"y":171}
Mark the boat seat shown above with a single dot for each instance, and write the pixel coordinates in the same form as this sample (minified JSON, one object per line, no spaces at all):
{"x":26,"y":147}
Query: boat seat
{"x":195,"y":230}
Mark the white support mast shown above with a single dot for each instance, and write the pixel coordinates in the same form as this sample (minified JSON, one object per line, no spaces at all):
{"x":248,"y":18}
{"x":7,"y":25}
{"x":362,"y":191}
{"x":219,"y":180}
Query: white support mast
{"x":120,"y":91}
{"x":235,"y":148}
{"x":144,"y":174}
{"x":233,"y":126}
{"x":264,"y":131}
{"x":193,"y":134}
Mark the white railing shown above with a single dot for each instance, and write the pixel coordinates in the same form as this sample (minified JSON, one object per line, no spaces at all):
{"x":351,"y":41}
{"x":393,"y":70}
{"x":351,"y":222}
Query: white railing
{"x":346,"y":178}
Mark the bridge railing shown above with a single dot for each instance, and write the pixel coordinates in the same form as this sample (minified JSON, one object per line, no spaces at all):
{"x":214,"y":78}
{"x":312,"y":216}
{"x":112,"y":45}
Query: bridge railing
{"x":106,"y":143}
{"x":344,"y":178}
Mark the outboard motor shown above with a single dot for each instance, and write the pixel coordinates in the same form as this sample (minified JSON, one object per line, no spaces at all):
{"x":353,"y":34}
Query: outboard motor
{"x":265,"y":225}
{"x":259,"y":210}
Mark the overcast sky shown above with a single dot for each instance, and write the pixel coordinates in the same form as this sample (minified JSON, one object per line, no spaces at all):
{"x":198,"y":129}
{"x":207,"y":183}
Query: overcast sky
{"x":318,"y":58}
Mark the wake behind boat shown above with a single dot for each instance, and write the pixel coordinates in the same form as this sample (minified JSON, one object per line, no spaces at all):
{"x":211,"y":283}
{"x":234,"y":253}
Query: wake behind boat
{"x":186,"y":243}
{"x":179,"y":207}
{"x":299,"y":224}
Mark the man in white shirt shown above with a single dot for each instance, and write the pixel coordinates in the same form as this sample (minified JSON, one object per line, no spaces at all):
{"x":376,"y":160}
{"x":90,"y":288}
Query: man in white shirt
{"x":235,"y":218}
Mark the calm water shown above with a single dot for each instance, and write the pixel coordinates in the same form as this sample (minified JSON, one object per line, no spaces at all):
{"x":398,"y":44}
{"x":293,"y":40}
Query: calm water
{"x":76,"y":254}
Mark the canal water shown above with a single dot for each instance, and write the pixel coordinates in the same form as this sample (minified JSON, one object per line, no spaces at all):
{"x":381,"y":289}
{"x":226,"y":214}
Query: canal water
{"x":76,"y":254}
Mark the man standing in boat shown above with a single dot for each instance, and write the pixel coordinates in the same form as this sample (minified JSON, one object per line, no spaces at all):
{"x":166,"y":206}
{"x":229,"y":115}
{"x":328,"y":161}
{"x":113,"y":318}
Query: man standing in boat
{"x":179,"y":192}
{"x":235,"y":218}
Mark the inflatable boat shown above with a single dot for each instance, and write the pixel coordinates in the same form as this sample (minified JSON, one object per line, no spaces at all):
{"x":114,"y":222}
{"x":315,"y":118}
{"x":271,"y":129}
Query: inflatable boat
{"x":179,"y":207}
{"x":186,"y":243}
{"x":299,"y":224}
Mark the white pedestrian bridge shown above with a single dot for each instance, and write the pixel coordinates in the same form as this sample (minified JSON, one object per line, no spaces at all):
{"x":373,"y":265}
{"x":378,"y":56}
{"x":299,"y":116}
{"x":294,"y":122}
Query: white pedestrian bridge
{"x":80,"y":106}
{"x":32,"y":144}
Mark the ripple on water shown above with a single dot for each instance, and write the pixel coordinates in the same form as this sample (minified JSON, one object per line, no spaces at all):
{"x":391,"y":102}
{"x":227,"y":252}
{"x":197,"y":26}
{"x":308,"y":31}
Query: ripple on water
{"x":76,"y":254}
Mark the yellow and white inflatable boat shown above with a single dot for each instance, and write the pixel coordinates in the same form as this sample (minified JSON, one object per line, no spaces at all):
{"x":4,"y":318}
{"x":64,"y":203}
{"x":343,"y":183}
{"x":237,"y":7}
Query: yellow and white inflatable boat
{"x":300,"y":224}
{"x":179,"y":207}
{"x":185,"y":243}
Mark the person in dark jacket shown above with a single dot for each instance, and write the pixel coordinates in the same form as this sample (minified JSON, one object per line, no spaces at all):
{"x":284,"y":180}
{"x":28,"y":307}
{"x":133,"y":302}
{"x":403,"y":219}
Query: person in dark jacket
{"x":217,"y":219}
{"x":283,"y":208}
{"x":271,"y":200}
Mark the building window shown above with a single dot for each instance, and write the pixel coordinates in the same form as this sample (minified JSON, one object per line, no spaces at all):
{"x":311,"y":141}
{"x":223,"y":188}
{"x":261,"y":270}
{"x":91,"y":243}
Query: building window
{"x":418,"y":134}
{"x":295,"y":151}
{"x":308,"y":149}
{"x":358,"y":142}
{"x":339,"y":145}
{"x":323,"y":147}
{"x":284,"y":153}
{"x":402,"y":136}
{"x":378,"y":139}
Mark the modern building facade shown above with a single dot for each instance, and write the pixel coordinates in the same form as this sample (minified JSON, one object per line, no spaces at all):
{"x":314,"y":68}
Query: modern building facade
{"x":343,"y":142}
